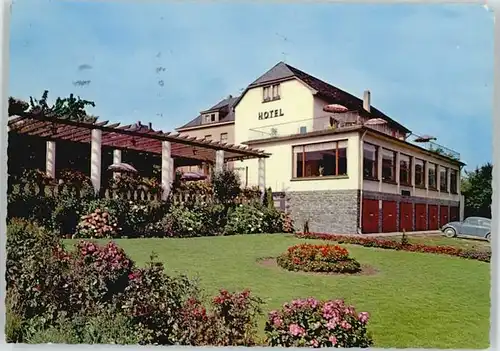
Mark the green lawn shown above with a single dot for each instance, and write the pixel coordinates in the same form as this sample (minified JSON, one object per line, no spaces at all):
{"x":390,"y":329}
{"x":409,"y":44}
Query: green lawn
{"x":416,"y":300}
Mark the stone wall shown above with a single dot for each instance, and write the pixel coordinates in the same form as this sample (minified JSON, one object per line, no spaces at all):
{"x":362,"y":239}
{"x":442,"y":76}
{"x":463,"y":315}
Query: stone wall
{"x":334,"y":211}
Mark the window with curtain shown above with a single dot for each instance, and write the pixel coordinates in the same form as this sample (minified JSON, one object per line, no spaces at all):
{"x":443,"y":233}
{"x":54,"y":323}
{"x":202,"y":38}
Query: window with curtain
{"x":388,"y":165}
{"x":443,"y":179}
{"x":370,"y":161}
{"x":404,"y":169}
{"x":321,"y":159}
{"x":432,"y":174}
{"x":419,"y":172}
{"x":454,"y":181}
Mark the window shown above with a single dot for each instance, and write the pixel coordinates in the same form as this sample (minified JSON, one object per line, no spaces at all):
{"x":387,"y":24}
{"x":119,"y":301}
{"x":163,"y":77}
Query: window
{"x":303,"y":130}
{"x":432,"y":174}
{"x":404,"y":169}
{"x":212,"y":117}
{"x":323,"y":159}
{"x":388,"y":165}
{"x":454,"y":181}
{"x":206,"y":119}
{"x":271,"y":92}
{"x":276,"y":92}
{"x":370,"y":161}
{"x":443,"y":179}
{"x":208,"y":136}
{"x":267,"y":93}
{"x":419,"y":173}
{"x":223,"y":137}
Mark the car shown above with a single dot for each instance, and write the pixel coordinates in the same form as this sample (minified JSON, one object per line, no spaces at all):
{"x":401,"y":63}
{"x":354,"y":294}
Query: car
{"x":478,"y":227}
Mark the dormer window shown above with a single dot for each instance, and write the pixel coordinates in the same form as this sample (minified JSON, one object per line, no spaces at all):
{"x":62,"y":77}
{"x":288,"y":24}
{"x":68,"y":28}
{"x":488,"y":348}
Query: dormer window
{"x":210,"y":118}
{"x":271,"y":92}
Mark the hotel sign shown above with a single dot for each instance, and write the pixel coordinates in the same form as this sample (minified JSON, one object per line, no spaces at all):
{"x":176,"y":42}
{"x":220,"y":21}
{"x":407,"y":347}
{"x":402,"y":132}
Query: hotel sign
{"x":270,"y":114}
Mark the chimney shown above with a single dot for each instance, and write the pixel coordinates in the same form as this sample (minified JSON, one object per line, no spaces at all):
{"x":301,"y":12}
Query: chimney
{"x":366,"y":100}
{"x":150,"y":126}
{"x":230,"y":96}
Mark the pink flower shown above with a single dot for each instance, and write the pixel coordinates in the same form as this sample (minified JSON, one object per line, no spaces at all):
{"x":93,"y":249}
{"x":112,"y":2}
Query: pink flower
{"x":345,"y":325}
{"x":277,"y":322}
{"x":312,"y":302}
{"x":333,"y":340}
{"x":314,"y":343}
{"x":296,"y":330}
{"x":331,"y":324}
{"x":363,"y":317}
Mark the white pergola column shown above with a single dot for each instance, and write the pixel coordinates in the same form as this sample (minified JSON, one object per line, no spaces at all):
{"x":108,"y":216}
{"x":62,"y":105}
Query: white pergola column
{"x":95,"y":159}
{"x":50,"y":159}
{"x":262,"y":175}
{"x":167,"y":172}
{"x":219,"y":161}
{"x":117,"y":158}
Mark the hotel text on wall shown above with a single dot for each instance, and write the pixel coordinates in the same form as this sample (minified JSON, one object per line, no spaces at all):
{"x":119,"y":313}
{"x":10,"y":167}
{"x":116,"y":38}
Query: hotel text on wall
{"x":271,"y":114}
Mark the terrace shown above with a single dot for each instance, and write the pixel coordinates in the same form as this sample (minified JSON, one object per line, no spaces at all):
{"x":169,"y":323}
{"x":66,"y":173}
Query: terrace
{"x":346,"y":120}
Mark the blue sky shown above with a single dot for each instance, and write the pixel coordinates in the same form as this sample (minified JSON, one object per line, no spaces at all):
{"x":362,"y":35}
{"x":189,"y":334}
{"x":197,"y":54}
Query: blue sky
{"x":430,"y":67}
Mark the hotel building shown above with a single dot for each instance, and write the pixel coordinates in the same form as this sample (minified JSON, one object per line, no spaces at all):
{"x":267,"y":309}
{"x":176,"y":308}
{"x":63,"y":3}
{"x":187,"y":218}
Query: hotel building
{"x":342,"y":165}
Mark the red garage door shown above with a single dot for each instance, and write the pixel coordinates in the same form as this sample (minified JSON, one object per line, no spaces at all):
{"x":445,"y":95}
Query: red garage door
{"x":405,"y":216}
{"x":389,"y":216}
{"x":454,"y":216}
{"x":433,"y":217}
{"x":444,"y":215}
{"x":370,"y":216}
{"x":420,"y":217}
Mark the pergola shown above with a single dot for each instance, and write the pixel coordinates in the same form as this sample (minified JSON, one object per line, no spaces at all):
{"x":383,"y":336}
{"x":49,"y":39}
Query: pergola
{"x":136,"y":137}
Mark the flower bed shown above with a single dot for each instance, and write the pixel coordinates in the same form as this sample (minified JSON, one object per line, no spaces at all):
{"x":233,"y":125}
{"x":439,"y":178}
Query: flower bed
{"x":313,"y":323}
{"x":318,"y":258}
{"x":483,"y":256}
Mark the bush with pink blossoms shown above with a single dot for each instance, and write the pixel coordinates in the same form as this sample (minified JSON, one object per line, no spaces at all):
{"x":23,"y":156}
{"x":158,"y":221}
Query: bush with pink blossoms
{"x":313,"y":323}
{"x":96,"y":225}
{"x":230,"y":320}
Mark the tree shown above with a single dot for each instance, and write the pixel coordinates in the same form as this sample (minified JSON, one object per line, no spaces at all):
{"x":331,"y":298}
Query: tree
{"x":66,"y":108}
{"x":17,"y":107}
{"x":477,"y":190}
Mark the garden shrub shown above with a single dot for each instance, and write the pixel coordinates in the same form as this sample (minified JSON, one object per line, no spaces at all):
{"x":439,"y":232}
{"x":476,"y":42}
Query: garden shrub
{"x":98,"y":224}
{"x":96,"y":275}
{"x":104,"y":327}
{"x":118,"y":208}
{"x":38,"y":208}
{"x":318,"y":258}
{"x":226,"y":186}
{"x":288,"y":226}
{"x":73,"y":182}
{"x":66,"y":215}
{"x":143,"y":219}
{"x":484,"y":256}
{"x":154,"y":301}
{"x":313,"y":323}
{"x":13,"y":318}
{"x":62,"y":331}
{"x":33,"y":275}
{"x":245,"y":219}
{"x":183,"y":222}
{"x":230,"y":321}
{"x":251,"y":193}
